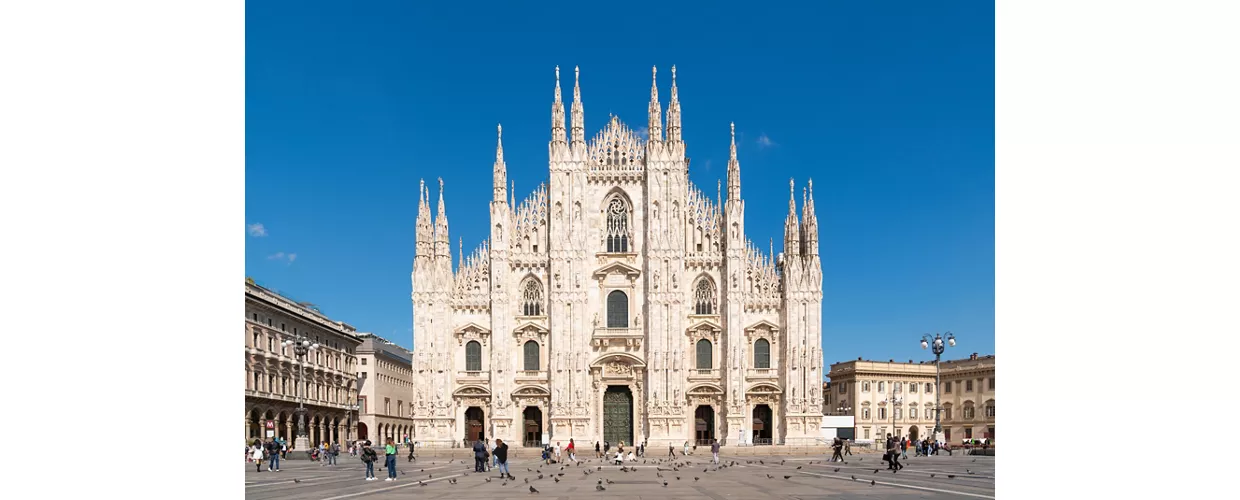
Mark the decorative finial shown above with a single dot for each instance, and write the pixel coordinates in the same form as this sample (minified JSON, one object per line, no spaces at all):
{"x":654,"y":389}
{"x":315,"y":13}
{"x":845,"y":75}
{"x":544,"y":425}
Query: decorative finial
{"x":654,"y":72}
{"x":557,"y":74}
{"x":577,"y":72}
{"x":733,"y":131}
{"x":441,"y":184}
{"x":811,"y":187}
{"x":673,"y":73}
{"x":500,"y":129}
{"x":791,"y":190}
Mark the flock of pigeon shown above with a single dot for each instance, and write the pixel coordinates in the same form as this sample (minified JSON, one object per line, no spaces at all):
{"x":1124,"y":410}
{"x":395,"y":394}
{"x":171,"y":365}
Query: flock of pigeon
{"x":661,"y":466}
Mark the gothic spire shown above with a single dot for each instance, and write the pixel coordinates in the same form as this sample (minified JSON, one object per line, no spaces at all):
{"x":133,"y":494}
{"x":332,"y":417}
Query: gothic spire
{"x":499,"y":180}
{"x":656,"y":110}
{"x":579,"y":120}
{"x":792,"y":228}
{"x":441,"y":227}
{"x":557,"y":114}
{"x":734,"y":171}
{"x":423,"y":236}
{"x":673,"y":113}
{"x":810,"y":221}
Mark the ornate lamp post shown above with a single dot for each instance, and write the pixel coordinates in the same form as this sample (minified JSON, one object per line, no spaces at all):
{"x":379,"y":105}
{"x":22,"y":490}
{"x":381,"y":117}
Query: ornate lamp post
{"x":352,"y":406}
{"x":892,"y":401}
{"x":301,"y":347}
{"x":937,"y":347}
{"x":843,"y":409}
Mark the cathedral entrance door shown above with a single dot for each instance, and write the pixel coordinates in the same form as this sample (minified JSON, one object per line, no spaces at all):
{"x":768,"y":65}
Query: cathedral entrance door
{"x":762,"y":425}
{"x":618,"y":415}
{"x":473,"y":424}
{"x":533,"y":427}
{"x":704,"y":425}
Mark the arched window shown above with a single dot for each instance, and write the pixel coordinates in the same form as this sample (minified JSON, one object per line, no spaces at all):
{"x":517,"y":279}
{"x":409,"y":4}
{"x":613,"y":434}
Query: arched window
{"x":762,"y":355}
{"x":473,"y":356}
{"x":968,"y":411}
{"x":617,"y":310}
{"x":531,"y":296}
{"x":703,"y":355}
{"x":704,"y":297}
{"x":531,"y":355}
{"x":617,"y":226}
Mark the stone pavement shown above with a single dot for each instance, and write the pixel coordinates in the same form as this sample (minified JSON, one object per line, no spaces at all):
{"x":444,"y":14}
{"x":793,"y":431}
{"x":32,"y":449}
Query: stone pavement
{"x":750,"y":477}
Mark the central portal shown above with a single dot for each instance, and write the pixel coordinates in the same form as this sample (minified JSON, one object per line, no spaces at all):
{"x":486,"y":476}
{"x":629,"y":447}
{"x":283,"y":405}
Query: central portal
{"x":618,"y":415}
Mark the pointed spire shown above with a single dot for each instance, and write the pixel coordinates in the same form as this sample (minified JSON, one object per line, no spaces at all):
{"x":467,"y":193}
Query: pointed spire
{"x":719,"y":193}
{"x":673,"y":113}
{"x":557,"y":114}
{"x":734,"y":171}
{"x":578,"y":126}
{"x":500,"y":175}
{"x":441,"y":228}
{"x":656,"y":110}
{"x":513,"y":193}
{"x":460,"y":254}
{"x":810,"y":230}
{"x":792,"y":228}
{"x":423,"y":237}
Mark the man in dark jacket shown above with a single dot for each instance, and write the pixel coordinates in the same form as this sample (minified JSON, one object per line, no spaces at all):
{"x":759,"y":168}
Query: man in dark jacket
{"x":501,"y":458}
{"x":273,"y":454}
{"x":480,"y":455}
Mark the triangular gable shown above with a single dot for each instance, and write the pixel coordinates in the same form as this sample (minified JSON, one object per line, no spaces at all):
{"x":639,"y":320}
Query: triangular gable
{"x":620,"y":267}
{"x":530,"y":324}
{"x":763,"y":323}
{"x":472,"y":326}
{"x":707,"y":322}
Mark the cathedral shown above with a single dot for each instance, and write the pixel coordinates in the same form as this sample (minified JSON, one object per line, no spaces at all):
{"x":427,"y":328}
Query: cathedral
{"x":617,"y":302}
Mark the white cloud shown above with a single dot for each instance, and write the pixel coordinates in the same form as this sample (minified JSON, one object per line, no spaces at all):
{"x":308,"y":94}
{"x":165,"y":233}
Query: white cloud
{"x":643,"y":132}
{"x":292,"y":257}
{"x":281,"y":256}
{"x":256,"y":230}
{"x":706,"y":167}
{"x":276,"y":256}
{"x":765,"y":142}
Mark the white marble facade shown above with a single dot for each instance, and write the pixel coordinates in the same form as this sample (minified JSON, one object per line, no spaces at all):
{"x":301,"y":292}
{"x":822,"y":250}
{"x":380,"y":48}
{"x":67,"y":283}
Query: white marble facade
{"x":618,"y":301}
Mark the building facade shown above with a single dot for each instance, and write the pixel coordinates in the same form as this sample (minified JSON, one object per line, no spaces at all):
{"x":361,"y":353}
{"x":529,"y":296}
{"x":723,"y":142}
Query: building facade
{"x":617,"y":302}
{"x":898,"y":398}
{"x":275,"y":378}
{"x":385,"y":378}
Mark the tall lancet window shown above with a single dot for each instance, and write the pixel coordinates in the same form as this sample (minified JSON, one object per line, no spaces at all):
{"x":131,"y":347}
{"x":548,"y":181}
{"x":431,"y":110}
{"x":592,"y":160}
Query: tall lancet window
{"x":704,"y":297}
{"x":617,"y":310}
{"x":531,"y":304}
{"x":473,"y":356}
{"x":762,"y":354}
{"x":617,"y":226}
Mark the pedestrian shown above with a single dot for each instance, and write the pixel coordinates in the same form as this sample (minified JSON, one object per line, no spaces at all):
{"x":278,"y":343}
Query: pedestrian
{"x":369,"y":457}
{"x":838,"y":446}
{"x":714,"y":450}
{"x":389,"y":459}
{"x":501,"y":458}
{"x":671,"y":451}
{"x":572,"y":450}
{"x":597,"y":453}
{"x":558,"y":458}
{"x":412,"y":446}
{"x":273,"y":454}
{"x":847,"y":447}
{"x":893,"y":450}
{"x":686,"y":452}
{"x":480,"y":455}
{"x":256,"y":454}
{"x":491,"y":448}
{"x":606,"y":448}
{"x":904,"y":448}
{"x":642,"y":454}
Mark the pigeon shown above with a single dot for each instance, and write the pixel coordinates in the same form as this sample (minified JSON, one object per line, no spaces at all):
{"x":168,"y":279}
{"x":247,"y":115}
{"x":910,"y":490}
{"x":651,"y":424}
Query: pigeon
{"x":610,"y":481}
{"x":428,"y":476}
{"x":871,"y":482}
{"x":768,"y":476}
{"x":488,"y":479}
{"x":527,"y":480}
{"x":420,"y":483}
{"x":781,"y":462}
{"x":695,"y":478}
{"x":837,"y":469}
{"x":296,"y":480}
{"x":540,"y":476}
{"x":532,"y":490}
{"x":787,"y":477}
{"x":527,"y":469}
{"x":931,"y":475}
{"x":798,"y":467}
{"x":452,"y":481}
{"x":677,"y":478}
{"x":854,"y":478}
{"x":969,"y":471}
{"x":664,"y":484}
{"x":975,"y":460}
{"x":951,"y":476}
{"x":659,"y":474}
{"x":703,"y":470}
{"x":600,"y":467}
{"x":876,"y":471}
{"x":557,"y":479}
{"x":505,"y":483}
{"x":599,"y":487}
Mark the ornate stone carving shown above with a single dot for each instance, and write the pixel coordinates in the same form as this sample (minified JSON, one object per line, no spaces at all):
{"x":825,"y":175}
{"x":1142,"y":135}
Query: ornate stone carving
{"x":619,"y":368}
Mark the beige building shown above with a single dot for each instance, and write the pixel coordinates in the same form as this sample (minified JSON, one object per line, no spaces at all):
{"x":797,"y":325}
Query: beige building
{"x":618,"y":302}
{"x":273,"y":373}
{"x":898,"y":398}
{"x":385,"y":375}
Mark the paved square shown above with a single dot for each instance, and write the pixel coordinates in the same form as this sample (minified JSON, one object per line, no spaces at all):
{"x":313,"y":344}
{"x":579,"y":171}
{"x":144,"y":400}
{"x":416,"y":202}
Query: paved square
{"x":750,"y":477}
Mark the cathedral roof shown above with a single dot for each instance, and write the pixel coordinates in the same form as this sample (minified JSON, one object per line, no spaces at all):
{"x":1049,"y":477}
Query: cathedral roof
{"x":616,"y":147}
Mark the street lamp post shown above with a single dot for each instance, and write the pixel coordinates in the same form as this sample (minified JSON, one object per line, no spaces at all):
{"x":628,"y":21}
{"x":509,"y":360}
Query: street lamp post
{"x":352,"y":407}
{"x":843,"y":409}
{"x":892,"y":401}
{"x":937,"y":346}
{"x":301,"y":347}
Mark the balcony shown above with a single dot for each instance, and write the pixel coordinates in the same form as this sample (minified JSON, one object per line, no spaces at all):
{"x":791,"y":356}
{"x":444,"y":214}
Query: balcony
{"x":704,"y":374}
{"x":629,"y":337}
{"x":473,"y":377}
{"x":531,"y":376}
{"x":753,"y":374}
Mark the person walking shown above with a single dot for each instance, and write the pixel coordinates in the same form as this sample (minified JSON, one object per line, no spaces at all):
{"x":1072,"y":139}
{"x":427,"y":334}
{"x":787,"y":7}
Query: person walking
{"x":501,"y":458}
{"x":480,"y":455}
{"x":686,"y":452}
{"x":838,"y":446}
{"x":904,"y":448}
{"x":412,"y":446}
{"x":597,"y":453}
{"x":273,"y":454}
{"x":369,"y":457}
{"x":893,"y":450}
{"x":389,"y":459}
{"x":558,"y":457}
{"x":847,"y":447}
{"x":671,"y":451}
{"x":256,"y":454}
{"x":572,"y":450}
{"x":714,"y":450}
{"x":606,"y":448}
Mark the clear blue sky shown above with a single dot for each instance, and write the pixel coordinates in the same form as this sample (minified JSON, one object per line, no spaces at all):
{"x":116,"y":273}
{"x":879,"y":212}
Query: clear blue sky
{"x":888,"y":106}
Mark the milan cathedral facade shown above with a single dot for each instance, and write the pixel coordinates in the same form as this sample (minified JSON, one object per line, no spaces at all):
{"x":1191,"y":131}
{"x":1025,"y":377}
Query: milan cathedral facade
{"x":617,"y":302}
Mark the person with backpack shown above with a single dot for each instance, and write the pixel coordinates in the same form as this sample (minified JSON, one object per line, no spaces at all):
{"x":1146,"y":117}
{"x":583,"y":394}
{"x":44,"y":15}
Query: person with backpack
{"x":369,"y":457}
{"x":480,"y":455}
{"x":273,"y":455}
